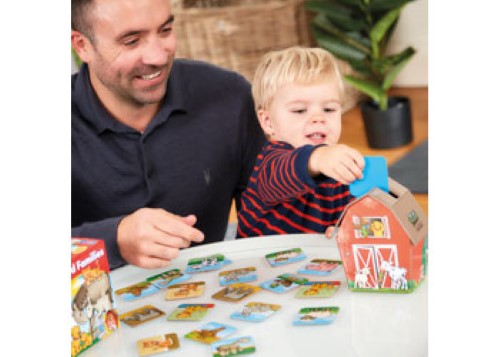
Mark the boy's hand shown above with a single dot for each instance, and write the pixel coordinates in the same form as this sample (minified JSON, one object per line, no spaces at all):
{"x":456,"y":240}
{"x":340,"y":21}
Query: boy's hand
{"x":340,"y":162}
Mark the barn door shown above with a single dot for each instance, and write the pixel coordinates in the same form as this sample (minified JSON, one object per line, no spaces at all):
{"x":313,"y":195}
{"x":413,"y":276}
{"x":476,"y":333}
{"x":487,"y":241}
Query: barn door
{"x":371,"y":256}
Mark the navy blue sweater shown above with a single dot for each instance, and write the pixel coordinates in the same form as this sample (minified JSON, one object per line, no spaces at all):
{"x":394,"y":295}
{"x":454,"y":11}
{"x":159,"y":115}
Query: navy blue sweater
{"x":194,"y":157}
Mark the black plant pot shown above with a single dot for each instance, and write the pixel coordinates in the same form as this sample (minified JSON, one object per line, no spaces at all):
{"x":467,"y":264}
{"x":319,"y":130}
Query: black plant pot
{"x":388,"y":129}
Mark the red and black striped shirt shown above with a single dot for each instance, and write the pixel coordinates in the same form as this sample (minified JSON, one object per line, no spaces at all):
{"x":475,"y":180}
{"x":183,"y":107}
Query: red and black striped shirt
{"x":283,"y":198}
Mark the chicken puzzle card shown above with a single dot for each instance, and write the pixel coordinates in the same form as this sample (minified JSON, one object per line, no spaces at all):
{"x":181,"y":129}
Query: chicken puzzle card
{"x":157,"y":344}
{"x":235,"y":292}
{"x":167,"y":278}
{"x":190,"y":312}
{"x":320,"y":267}
{"x":208,"y":263}
{"x":242,"y":275}
{"x":136,"y":291}
{"x":185,"y":290}
{"x":283,"y":283}
{"x":140,"y":315}
{"x":285,"y":257}
{"x":317,"y":289}
{"x":233,"y":347}
{"x":210,"y":333}
{"x":255,"y":311}
{"x":323,"y":315}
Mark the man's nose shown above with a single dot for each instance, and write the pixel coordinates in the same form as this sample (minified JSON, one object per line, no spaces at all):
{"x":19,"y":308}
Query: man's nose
{"x":155,"y":53}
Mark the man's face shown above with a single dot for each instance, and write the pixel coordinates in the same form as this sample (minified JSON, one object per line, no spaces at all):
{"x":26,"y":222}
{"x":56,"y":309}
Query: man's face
{"x":133,"y":50}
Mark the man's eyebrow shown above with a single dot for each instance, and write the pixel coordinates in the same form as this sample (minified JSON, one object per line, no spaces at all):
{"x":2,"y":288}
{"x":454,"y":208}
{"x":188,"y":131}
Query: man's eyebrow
{"x":126,"y":34}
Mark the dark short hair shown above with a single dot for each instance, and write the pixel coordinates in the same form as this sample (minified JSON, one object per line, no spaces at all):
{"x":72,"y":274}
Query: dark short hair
{"x":80,"y":22}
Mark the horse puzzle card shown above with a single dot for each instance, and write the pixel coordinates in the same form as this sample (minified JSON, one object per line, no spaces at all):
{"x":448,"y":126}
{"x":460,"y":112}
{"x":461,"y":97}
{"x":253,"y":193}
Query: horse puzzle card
{"x":157,"y":344}
{"x":136,"y":291}
{"x":208,"y":263}
{"x":317,"y":289}
{"x":167,"y":278}
{"x":233,"y":346}
{"x":141,"y":315}
{"x":255,"y":311}
{"x":241,"y":275}
{"x":285,"y":257}
{"x":210,"y":332}
{"x":323,"y":315}
{"x":321,"y":267}
{"x":235,"y":292}
{"x":190,"y":312}
{"x":185,"y":290}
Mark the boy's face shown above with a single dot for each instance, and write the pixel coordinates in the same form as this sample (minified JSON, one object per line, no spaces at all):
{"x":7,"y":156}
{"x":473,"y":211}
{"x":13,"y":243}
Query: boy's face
{"x":304,"y":114}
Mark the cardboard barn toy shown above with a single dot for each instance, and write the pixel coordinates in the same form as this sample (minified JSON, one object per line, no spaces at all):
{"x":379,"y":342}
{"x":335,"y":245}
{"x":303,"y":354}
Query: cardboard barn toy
{"x":94,"y":312}
{"x":382,"y":239}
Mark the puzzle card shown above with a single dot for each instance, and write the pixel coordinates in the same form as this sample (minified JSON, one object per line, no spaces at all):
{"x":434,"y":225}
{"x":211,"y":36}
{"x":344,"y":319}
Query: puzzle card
{"x":323,"y":315}
{"x":235,"y":292}
{"x":210,"y":333}
{"x":141,"y":315}
{"x":241,"y":275}
{"x":317,"y":289}
{"x":283,"y":283}
{"x":285,"y":257}
{"x":157,"y":344}
{"x":136,"y":291}
{"x":190,"y":312}
{"x":233,"y":346}
{"x":185,"y":290}
{"x":208,"y":263}
{"x":255,"y":311}
{"x":167,"y":278}
{"x":319,"y":267}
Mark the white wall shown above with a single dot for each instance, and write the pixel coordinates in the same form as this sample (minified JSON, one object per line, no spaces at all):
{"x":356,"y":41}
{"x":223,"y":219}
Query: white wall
{"x":412,"y":30}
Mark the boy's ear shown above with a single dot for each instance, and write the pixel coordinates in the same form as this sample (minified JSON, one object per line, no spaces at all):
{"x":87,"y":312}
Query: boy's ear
{"x":81,"y":45}
{"x":265,"y":122}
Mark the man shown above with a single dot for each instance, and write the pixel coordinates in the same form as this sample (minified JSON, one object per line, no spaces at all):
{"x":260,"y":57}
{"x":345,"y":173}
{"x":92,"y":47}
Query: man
{"x":159,"y":147}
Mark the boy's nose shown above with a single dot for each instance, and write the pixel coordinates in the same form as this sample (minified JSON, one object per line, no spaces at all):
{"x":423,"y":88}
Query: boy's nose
{"x":318,"y":119}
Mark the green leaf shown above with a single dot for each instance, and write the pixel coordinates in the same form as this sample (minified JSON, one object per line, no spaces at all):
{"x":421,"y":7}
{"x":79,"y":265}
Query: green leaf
{"x":369,"y":88}
{"x":380,"y":30}
{"x":384,"y":5}
{"x":339,"y":48}
{"x":403,"y":60}
{"x":338,"y":14}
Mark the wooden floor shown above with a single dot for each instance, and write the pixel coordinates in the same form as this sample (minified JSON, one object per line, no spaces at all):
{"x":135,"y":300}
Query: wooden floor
{"x":353,"y":133}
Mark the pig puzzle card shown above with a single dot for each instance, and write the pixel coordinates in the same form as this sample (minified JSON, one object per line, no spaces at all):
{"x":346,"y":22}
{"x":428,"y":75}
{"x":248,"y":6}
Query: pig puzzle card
{"x":320,"y":267}
{"x":323,"y":315}
{"x":233,"y":346}
{"x":185,"y":290}
{"x":167,"y":278}
{"x":283,"y":283}
{"x":255,"y":311}
{"x":208,"y":263}
{"x":136,"y":291}
{"x":375,"y":174}
{"x":317,"y":289}
{"x":235,"y":292}
{"x":190,"y":312}
{"x":242,"y":275}
{"x":210,"y":333}
{"x":157,"y":344}
{"x":285,"y":257}
{"x":141,"y":315}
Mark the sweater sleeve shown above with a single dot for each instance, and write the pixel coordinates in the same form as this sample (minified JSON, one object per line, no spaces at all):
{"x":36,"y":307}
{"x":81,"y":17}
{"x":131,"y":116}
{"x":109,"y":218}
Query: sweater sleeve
{"x":283,"y":173}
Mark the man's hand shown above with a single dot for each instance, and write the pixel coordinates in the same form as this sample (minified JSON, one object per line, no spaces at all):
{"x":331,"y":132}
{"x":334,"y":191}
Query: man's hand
{"x":152,"y":237}
{"x":340,"y":162}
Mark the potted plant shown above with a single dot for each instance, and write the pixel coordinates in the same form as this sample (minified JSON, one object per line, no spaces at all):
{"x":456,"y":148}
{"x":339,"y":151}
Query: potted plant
{"x":358,"y":32}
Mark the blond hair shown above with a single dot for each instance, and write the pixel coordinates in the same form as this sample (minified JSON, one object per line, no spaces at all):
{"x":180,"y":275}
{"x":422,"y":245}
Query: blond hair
{"x":297,"y":65}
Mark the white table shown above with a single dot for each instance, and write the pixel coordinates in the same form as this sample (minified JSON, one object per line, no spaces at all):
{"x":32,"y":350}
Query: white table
{"x":368,"y":324}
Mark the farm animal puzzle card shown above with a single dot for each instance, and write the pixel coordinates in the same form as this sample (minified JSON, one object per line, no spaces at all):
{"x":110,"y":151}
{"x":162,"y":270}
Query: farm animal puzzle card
{"x":233,"y":347}
{"x":141,"y":315}
{"x":285,"y":257}
{"x":241,"y":275}
{"x":210,"y":333}
{"x":167,"y":278}
{"x":136,"y":291}
{"x":317,"y":289}
{"x":323,"y":315}
{"x":235,"y":292}
{"x":283,"y":283}
{"x":190,"y":312}
{"x":185,"y":290}
{"x":319,"y":267}
{"x":255,"y":311}
{"x":208,"y":263}
{"x":157,"y":344}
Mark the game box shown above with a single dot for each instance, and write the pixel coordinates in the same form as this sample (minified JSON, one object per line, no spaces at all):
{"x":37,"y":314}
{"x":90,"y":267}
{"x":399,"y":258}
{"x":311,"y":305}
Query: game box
{"x":94,"y":313}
